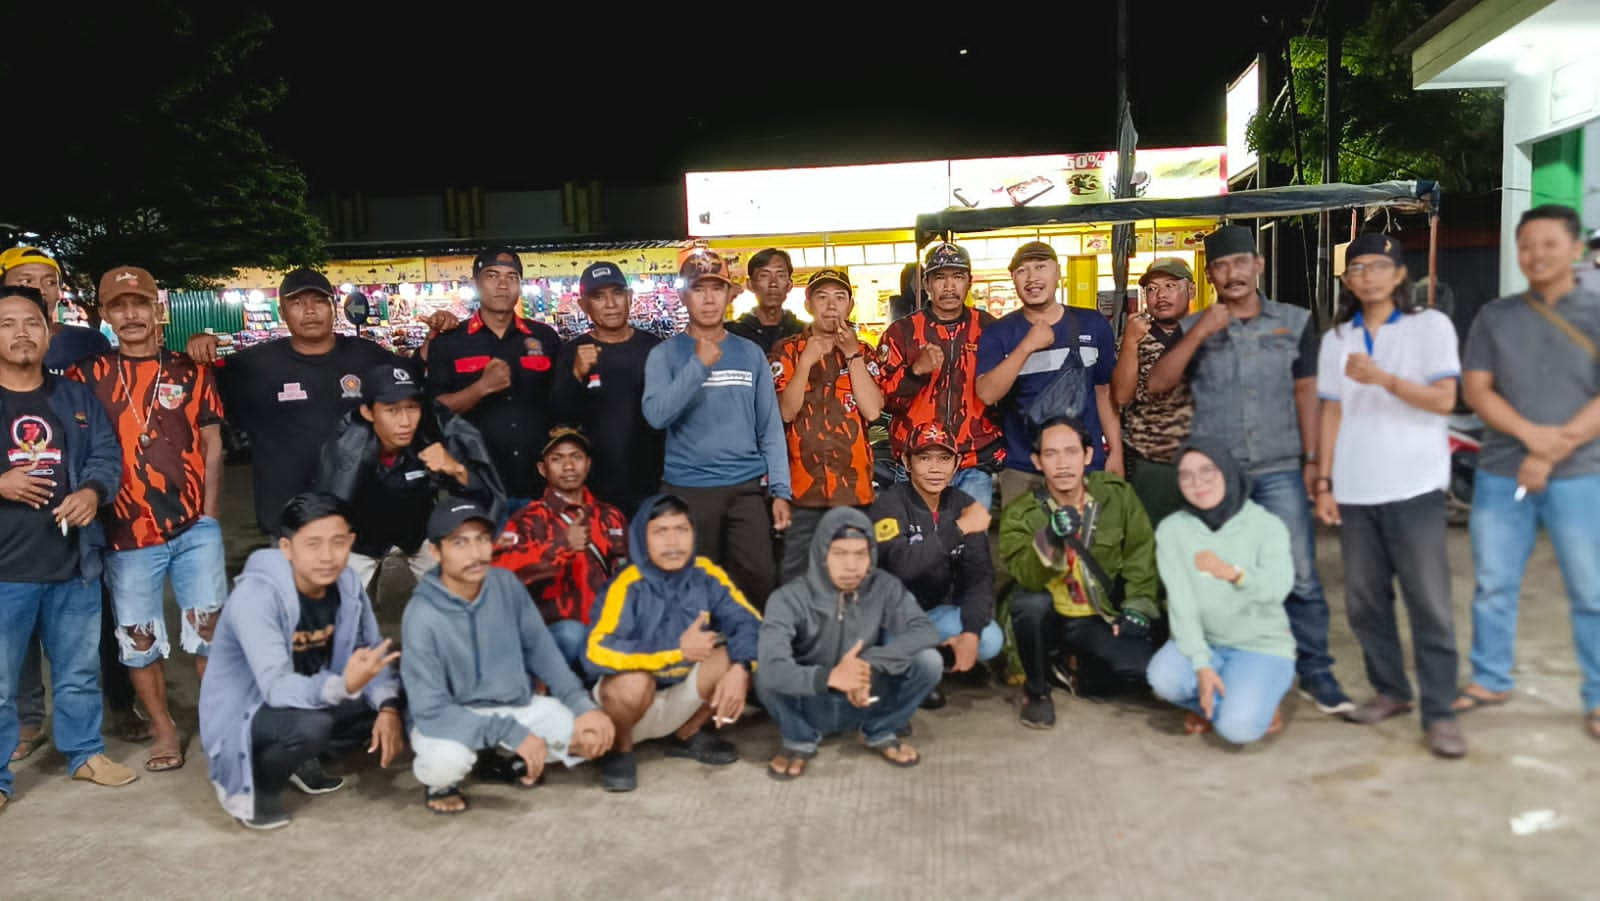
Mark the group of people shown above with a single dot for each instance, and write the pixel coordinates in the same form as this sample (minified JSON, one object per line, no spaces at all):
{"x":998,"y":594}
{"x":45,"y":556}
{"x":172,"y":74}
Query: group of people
{"x":622,"y":539}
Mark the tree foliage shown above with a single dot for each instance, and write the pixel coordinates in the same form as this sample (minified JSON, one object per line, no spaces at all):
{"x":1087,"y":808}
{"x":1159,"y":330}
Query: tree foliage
{"x":134,"y":137}
{"x":1386,"y":130}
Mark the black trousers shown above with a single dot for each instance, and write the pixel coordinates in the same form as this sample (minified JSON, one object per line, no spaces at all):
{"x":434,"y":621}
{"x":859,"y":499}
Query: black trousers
{"x":1107,"y":664}
{"x":1404,"y":540}
{"x":283,"y":738}
{"x":733,"y":528}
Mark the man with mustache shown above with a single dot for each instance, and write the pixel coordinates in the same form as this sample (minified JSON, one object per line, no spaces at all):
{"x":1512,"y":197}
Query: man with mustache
{"x":1153,"y":425}
{"x":1254,"y":381}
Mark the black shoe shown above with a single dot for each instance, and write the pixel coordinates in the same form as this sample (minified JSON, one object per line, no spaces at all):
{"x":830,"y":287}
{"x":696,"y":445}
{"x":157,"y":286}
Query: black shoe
{"x":1038,"y":712}
{"x":934,"y":700}
{"x":708,"y":749}
{"x":496,"y":766}
{"x":310,"y":779}
{"x":619,"y":772}
{"x":269,"y":814}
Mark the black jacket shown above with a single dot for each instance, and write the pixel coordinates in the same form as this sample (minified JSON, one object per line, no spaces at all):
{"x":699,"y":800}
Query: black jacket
{"x":938,"y":563}
{"x":352,"y":454}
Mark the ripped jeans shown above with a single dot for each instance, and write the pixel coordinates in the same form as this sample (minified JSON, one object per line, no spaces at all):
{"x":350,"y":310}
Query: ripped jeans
{"x":195,"y":561}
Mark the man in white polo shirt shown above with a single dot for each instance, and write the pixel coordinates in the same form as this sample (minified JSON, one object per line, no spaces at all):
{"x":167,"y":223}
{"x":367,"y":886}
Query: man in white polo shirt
{"x":1387,"y":378}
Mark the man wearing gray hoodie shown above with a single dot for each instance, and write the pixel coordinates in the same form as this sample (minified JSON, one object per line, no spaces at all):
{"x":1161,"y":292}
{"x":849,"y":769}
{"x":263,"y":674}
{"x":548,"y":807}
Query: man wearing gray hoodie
{"x":472,"y":640}
{"x":845,"y":648}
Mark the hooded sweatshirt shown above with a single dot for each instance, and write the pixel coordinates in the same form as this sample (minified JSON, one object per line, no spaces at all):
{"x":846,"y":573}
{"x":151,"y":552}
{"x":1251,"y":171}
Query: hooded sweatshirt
{"x":252,"y":663}
{"x":479,"y":654}
{"x":810,"y":624}
{"x":642,"y":615}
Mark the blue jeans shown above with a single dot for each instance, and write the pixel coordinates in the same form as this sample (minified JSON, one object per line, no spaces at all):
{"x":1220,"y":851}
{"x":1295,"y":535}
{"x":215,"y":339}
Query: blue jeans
{"x":195,"y":561}
{"x":1253,"y":684}
{"x":1503,"y":532}
{"x":571,"y":636}
{"x":68,"y":616}
{"x":804,"y":720}
{"x":947,"y":619}
{"x":976,"y":483}
{"x":1284,"y":496}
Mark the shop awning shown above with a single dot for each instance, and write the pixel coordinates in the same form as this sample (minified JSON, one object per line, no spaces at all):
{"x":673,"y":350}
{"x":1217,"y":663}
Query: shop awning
{"x":1265,"y":203}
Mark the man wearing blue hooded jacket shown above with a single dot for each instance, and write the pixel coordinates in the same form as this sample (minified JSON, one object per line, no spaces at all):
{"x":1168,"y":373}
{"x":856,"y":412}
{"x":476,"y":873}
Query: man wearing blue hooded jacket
{"x":673,"y":646}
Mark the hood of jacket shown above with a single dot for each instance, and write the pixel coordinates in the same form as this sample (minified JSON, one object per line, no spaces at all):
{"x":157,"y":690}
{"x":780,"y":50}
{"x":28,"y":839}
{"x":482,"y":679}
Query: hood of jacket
{"x":820,"y":583}
{"x":639,"y":550}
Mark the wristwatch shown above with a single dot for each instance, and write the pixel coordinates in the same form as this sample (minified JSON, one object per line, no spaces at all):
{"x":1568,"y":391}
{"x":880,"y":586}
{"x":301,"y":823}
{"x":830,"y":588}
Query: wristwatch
{"x":1307,"y":459}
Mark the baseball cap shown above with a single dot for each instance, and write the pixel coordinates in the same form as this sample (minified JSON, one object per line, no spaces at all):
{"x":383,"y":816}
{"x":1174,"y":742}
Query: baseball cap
{"x":1229,"y":240}
{"x":946,"y":256}
{"x":563,"y":433}
{"x":128,"y":280}
{"x":451,"y":514}
{"x":22,"y":256}
{"x":598,"y":276}
{"x":1172,"y":266}
{"x":304,"y":279}
{"x":701,"y":264}
{"x":824,"y":276}
{"x":1033,"y":250}
{"x":389,"y":384}
{"x":929,"y":435}
{"x":1376,"y":244}
{"x":493,"y":257}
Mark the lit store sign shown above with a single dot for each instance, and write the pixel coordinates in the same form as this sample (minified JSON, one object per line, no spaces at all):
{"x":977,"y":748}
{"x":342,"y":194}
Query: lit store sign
{"x":892,"y":195}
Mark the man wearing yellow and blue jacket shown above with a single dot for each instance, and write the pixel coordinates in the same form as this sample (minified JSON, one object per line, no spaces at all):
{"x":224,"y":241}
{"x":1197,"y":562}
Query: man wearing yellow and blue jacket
{"x":672,"y":647}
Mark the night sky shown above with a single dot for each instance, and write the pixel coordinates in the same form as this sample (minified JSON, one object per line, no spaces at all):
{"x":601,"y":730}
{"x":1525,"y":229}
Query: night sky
{"x":487,"y":94}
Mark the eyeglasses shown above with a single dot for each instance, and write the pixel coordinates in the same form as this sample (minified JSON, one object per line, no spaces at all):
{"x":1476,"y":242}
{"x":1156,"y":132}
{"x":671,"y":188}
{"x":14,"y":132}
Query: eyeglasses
{"x":1376,"y":267}
{"x":1207,"y":473}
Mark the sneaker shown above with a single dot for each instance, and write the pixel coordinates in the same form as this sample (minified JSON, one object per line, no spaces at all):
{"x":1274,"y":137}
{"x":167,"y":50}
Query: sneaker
{"x":934,"y":700}
{"x":102,"y":770}
{"x":1380,"y":708}
{"x":1324,"y":691}
{"x":310,"y":779}
{"x":1444,"y":739}
{"x":1038,"y":712}
{"x":270,"y":814}
{"x":619,"y":772}
{"x":704,"y":747}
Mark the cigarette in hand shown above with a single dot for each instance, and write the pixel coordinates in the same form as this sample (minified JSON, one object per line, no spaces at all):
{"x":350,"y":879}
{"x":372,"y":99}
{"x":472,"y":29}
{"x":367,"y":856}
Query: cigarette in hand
{"x":723,"y":722}
{"x":63,"y":528}
{"x":872,"y":700}
{"x":1522,"y":492}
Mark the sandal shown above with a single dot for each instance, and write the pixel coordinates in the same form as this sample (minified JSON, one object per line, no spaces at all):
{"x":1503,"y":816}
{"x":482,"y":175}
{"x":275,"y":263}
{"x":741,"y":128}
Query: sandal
{"x":26,"y":746}
{"x":1468,"y":700}
{"x":1592,"y":721}
{"x":429,"y":796}
{"x":889,"y":750}
{"x":1195,"y":724}
{"x":782,"y":767}
{"x":132,"y":727}
{"x":161,"y":760}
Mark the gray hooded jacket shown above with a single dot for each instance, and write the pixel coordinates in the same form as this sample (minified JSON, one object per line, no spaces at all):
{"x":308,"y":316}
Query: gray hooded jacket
{"x":810,"y":624}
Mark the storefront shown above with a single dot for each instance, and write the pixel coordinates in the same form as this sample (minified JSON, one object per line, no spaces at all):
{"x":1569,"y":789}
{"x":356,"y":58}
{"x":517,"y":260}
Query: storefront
{"x":857,"y":218}
{"x":1543,"y":55}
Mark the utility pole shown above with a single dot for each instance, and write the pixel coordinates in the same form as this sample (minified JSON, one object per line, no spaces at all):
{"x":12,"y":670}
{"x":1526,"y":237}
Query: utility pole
{"x":1330,"y":161}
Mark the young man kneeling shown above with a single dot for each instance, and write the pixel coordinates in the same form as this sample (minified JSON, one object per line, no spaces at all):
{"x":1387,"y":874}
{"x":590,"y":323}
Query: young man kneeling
{"x":814,"y":676}
{"x":297,"y":669}
{"x":672,"y":646}
{"x":472,"y":640}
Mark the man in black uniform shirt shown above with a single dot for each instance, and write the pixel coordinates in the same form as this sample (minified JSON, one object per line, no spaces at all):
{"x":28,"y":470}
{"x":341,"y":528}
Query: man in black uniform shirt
{"x":289,"y":395}
{"x":599,"y":387}
{"x":497,"y":372}
{"x":771,"y":275}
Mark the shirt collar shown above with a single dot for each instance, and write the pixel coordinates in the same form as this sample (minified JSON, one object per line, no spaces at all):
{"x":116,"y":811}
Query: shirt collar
{"x":475,"y":324}
{"x":554,"y":501}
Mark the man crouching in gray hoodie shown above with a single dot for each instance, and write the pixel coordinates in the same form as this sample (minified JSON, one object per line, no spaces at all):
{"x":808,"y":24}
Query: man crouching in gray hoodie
{"x":845,"y":648}
{"x":471,"y":640}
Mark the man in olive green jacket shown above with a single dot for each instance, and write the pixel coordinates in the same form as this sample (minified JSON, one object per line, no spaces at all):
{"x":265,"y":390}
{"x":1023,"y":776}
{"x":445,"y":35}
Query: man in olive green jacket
{"x":1083,"y":555}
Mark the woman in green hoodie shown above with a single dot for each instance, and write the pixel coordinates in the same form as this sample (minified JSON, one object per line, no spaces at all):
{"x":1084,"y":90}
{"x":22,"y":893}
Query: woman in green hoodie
{"x":1227,"y":566}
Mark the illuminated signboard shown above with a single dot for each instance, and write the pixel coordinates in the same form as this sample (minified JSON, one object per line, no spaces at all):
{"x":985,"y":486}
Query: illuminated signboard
{"x":892,"y":195}
{"x":1244,"y":98}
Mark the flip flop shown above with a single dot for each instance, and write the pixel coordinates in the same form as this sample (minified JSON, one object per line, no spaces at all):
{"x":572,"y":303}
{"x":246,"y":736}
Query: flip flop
{"x":453,"y":791}
{"x":783,"y":774}
{"x":1466,"y":701}
{"x":885,"y":750}
{"x":26,"y":746}
{"x":161,"y":754}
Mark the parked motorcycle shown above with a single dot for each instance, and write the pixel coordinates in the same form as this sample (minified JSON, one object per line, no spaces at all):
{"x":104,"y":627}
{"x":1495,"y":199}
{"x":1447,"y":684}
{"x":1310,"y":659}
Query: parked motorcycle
{"x":1466,"y":437}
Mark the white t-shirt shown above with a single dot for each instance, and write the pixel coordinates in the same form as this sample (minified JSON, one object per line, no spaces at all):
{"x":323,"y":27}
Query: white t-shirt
{"x":1388,"y":450}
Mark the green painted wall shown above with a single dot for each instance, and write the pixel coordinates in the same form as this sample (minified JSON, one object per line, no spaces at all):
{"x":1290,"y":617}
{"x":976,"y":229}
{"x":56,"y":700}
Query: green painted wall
{"x":192,"y":312}
{"x":1558,"y":170}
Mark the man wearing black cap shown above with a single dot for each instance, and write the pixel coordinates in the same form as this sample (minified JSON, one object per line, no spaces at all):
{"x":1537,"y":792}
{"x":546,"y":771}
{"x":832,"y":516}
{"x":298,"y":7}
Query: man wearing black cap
{"x":390,"y":459}
{"x":599,"y":387}
{"x":1153,"y":425}
{"x":497,"y":372}
{"x":290,"y":395}
{"x":1026,"y":358}
{"x":771,"y":275}
{"x":1251,"y":364}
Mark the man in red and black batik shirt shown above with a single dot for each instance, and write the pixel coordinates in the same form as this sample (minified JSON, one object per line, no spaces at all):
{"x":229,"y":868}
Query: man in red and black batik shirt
{"x":162,"y":524}
{"x":566,"y":545}
{"x":930,"y":370}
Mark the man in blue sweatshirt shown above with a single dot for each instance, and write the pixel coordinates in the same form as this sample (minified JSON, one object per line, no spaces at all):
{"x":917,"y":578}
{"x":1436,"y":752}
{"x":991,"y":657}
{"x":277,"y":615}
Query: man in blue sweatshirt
{"x":673,"y":645}
{"x":472,"y":640}
{"x":712,"y":392}
{"x":297,"y":669}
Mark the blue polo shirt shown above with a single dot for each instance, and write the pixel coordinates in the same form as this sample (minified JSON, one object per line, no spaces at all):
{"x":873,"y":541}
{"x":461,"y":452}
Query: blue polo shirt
{"x":1096,"y":344}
